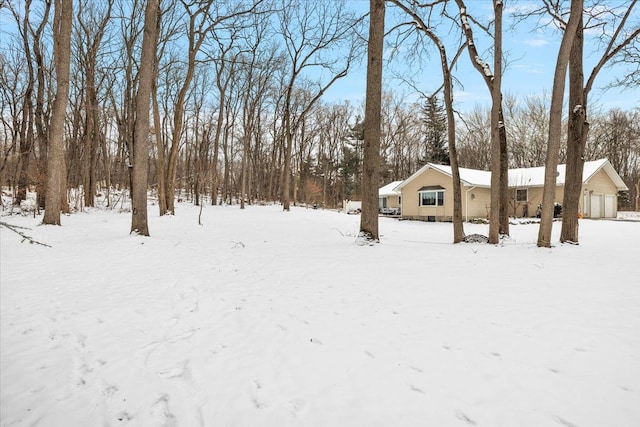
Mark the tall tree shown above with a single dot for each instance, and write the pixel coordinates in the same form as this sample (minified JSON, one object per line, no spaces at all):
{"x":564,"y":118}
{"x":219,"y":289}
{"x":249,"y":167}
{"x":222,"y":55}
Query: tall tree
{"x":56,"y":185}
{"x":92,"y":24}
{"x":498,"y":212}
{"x":435,"y":135}
{"x":373,"y":107}
{"x":146,"y":72}
{"x":436,"y":122}
{"x":555,"y":124}
{"x":578,"y":126}
{"x":310,"y":30}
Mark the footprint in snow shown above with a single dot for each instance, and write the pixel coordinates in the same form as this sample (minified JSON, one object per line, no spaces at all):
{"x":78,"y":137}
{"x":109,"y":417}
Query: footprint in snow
{"x":124,"y":417}
{"x":464,"y":417}
{"x":371,"y":355}
{"x":416,"y":389}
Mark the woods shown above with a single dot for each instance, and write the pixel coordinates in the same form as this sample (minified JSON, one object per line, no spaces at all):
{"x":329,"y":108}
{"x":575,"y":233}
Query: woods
{"x":238,"y":114}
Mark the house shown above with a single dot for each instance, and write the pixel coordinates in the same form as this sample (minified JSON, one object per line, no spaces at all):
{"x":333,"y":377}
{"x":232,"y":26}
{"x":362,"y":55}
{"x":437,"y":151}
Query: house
{"x":389,"y":199}
{"x":427,"y":194}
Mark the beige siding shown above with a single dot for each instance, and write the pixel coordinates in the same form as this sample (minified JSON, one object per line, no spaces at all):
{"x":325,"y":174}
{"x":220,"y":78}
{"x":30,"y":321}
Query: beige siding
{"x":534,"y":198}
{"x":410,"y":204}
{"x":599,"y":184}
{"x":477,"y":200}
{"x":392,"y":202}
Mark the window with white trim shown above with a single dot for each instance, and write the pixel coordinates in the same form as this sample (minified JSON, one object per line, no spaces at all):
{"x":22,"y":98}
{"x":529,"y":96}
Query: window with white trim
{"x":431,"y":198}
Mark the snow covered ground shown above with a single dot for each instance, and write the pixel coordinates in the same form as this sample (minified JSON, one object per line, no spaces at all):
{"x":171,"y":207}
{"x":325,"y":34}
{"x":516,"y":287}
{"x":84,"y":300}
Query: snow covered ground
{"x":266,"y":318}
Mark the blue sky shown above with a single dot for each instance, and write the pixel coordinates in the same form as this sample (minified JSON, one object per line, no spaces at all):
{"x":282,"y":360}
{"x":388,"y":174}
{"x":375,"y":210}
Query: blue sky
{"x":531,"y":56}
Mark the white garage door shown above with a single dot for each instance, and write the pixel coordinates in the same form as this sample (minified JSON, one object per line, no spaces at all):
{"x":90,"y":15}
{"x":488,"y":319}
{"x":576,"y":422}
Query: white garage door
{"x":609,"y":206}
{"x":596,"y":205}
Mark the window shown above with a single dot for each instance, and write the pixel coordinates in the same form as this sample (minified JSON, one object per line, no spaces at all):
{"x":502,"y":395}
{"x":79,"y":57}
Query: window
{"x":431,"y":198}
{"x":522,"y":195}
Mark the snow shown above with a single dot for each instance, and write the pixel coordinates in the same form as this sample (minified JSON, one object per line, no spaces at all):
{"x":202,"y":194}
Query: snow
{"x":389,"y":189}
{"x":267,"y":318}
{"x":534,"y":177}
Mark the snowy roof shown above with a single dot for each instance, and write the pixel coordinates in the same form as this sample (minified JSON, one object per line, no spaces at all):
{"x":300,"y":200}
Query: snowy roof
{"x":534,"y":177}
{"x":389,"y":189}
{"x":524,"y":177}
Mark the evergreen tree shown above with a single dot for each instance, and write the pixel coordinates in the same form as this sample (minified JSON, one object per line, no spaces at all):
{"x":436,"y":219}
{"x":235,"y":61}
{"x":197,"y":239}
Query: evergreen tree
{"x":435,"y":132}
{"x":351,"y":164}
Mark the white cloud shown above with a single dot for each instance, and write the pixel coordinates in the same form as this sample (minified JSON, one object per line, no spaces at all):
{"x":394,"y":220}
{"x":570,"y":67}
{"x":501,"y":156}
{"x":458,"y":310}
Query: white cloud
{"x":529,"y":68}
{"x":536,"y":42}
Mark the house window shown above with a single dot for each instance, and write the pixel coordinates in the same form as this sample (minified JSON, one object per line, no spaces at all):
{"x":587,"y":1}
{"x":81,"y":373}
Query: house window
{"x":382,"y":202}
{"x":522,"y":195}
{"x":431,"y":198}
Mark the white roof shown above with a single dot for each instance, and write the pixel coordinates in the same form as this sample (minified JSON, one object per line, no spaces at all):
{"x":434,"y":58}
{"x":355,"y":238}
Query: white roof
{"x":524,"y":177}
{"x":389,"y":189}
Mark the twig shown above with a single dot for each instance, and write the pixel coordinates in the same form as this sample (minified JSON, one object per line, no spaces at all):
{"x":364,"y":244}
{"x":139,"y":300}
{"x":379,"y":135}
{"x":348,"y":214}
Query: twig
{"x":16,"y":229}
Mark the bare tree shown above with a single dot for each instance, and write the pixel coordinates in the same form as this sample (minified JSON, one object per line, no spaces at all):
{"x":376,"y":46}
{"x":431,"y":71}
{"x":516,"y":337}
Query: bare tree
{"x":311,"y":30}
{"x":371,"y":167}
{"x":555,"y":123}
{"x":498,"y":213}
{"x":445,"y":65}
{"x":140,"y":172}
{"x":578,"y":124}
{"x":92,"y":24}
{"x":56,"y":185}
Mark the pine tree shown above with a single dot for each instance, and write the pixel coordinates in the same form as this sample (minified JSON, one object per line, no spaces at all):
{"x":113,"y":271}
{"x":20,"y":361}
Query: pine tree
{"x":435,"y":132}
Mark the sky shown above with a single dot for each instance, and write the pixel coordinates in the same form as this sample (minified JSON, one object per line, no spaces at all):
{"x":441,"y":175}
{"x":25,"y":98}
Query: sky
{"x":531,"y":55}
{"x":265,"y":318}
{"x":530,"y":51}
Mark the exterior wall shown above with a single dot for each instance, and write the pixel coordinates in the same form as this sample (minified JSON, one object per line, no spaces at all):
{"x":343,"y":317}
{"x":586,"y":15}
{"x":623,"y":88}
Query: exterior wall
{"x":410,"y":204}
{"x":599,"y":184}
{"x":534,"y":199}
{"x":393,"y":202}
{"x":477,"y":200}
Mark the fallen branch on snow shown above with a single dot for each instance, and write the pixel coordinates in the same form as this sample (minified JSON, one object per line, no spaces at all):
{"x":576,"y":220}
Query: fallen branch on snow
{"x":17,"y":229}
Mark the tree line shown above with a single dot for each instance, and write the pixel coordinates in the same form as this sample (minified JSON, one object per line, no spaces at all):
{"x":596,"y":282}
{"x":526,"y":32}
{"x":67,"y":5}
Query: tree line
{"x":235,"y":103}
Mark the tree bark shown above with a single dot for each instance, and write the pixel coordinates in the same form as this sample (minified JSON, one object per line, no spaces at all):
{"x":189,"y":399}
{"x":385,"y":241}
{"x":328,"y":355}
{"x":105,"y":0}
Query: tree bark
{"x":498,"y":215}
{"x":372,"y":120}
{"x":578,"y":129}
{"x":140,"y":172}
{"x":555,"y":125}
{"x":458,"y":227}
{"x":56,"y":176}
{"x":498,"y":212}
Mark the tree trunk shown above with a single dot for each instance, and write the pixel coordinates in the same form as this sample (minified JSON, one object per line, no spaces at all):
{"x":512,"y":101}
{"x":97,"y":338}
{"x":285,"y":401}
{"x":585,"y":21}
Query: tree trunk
{"x":555,"y":125}
{"x":140,"y":173}
{"x":286,"y":170}
{"x":160,"y":162}
{"x":578,"y":128}
{"x":372,"y":120}
{"x":56,"y":182}
{"x":497,"y":211}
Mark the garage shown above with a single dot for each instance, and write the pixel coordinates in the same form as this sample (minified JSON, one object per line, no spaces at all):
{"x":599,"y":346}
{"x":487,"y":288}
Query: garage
{"x":610,"y":203}
{"x":596,"y":206}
